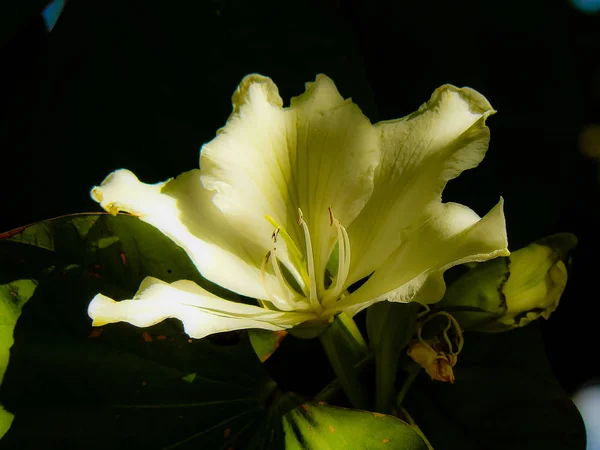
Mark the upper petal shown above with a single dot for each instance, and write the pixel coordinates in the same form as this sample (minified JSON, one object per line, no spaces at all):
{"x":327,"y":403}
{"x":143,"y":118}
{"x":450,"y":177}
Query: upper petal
{"x":419,"y":155}
{"x":320,"y":152}
{"x":201,"y":312}
{"x":456,"y":235}
{"x":182,"y":209}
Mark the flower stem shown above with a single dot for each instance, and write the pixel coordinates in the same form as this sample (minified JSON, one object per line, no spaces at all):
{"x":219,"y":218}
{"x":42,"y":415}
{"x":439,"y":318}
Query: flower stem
{"x":390,"y":327}
{"x":412,"y":372}
{"x":346,"y":349}
{"x":386,"y":365}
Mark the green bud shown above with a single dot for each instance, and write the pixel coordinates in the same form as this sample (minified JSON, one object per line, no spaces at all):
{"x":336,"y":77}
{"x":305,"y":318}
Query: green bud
{"x":536,"y":282}
{"x":510,"y":292}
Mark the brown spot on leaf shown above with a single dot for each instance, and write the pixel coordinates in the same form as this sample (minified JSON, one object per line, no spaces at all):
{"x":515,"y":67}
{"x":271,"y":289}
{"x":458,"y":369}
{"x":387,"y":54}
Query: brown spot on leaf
{"x":96,"y":332}
{"x":13,"y":294}
{"x":161,"y":337}
{"x":386,"y":440}
{"x":146,"y":336}
{"x":227,"y":433}
{"x":123,"y":258}
{"x":331,"y":428}
{"x":190,"y":341}
{"x":322,"y":403}
{"x":376,"y":414}
{"x":305,"y":407}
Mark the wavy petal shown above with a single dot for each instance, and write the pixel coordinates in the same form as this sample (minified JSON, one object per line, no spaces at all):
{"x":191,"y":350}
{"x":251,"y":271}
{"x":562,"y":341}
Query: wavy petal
{"x":182,"y":209}
{"x":320,"y":152}
{"x":420,"y":154}
{"x":201,"y":312}
{"x":415,"y":270}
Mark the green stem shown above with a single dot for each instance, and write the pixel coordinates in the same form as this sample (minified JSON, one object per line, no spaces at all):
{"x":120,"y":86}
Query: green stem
{"x":390,"y":327}
{"x":386,"y":366}
{"x":412,"y":372}
{"x":333,"y":389}
{"x":346,"y":349}
{"x":409,"y":420}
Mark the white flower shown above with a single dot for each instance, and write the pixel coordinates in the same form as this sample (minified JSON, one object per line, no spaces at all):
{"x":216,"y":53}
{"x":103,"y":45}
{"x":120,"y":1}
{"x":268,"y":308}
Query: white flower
{"x":291,"y":206}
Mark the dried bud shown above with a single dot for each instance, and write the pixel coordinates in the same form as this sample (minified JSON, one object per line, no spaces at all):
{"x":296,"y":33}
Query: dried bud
{"x":437,"y":365}
{"x":439,"y":353}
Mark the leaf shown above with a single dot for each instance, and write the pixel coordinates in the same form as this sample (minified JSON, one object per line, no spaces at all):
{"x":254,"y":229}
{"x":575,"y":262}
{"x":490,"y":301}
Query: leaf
{"x":318,"y":426}
{"x":117,"y":386}
{"x":12,"y":298}
{"x":504,"y":397}
{"x":265,"y":342}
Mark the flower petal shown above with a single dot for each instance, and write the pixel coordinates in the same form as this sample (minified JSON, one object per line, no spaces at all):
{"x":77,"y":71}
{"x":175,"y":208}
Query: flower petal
{"x":320,"y":152}
{"x":415,"y":270}
{"x":201,"y":312}
{"x":182,"y":209}
{"x":420,"y":154}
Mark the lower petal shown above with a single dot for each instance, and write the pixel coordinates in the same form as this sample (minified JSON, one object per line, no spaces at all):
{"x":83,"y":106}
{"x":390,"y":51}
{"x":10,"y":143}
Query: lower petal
{"x":182,"y":209}
{"x":200,"y":312}
{"x":414,"y":272}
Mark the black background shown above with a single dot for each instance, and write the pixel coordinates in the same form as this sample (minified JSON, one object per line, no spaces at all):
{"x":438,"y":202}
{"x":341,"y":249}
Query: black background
{"x":143,"y":84}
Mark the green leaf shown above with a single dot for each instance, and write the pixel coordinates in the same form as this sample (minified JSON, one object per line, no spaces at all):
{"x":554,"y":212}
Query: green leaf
{"x":504,"y":397}
{"x":265,"y":342}
{"x":318,"y":426}
{"x":117,"y":386}
{"x":12,"y":298}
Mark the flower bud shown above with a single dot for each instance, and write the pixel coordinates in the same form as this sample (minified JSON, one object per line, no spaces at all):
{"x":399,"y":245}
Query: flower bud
{"x":510,"y":292}
{"x":537,"y":280}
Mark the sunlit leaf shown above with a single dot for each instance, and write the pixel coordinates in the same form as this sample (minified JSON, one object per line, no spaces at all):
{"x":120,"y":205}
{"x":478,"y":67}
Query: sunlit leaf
{"x":318,"y":426}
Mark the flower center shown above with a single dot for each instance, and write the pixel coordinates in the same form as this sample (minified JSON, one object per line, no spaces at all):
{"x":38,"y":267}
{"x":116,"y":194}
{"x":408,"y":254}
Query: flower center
{"x":295,"y":271}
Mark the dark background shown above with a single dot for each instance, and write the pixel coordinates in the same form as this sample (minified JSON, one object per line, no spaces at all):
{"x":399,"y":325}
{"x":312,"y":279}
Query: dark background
{"x":143,"y":84}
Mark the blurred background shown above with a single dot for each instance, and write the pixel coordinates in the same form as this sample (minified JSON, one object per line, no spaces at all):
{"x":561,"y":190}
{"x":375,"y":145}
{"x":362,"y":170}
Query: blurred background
{"x":89,"y":87}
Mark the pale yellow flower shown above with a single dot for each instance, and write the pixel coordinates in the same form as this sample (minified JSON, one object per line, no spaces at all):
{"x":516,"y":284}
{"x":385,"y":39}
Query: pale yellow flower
{"x":291,"y":206}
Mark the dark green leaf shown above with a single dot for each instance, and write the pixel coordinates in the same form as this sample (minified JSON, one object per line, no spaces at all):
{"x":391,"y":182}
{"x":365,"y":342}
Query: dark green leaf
{"x":118,"y":386}
{"x":504,"y":397}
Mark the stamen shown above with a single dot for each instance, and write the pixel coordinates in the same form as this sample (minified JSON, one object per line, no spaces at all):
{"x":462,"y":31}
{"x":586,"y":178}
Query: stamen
{"x":314,"y":301}
{"x":295,"y":255}
{"x":262,"y":276}
{"x":282,"y":306}
{"x":344,"y":256}
{"x":294,"y":299}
